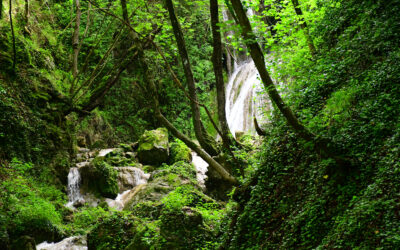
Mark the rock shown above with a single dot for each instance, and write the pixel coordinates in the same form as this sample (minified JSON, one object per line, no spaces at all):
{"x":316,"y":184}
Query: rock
{"x":82,"y":164}
{"x":130,"y":155}
{"x":216,"y":186}
{"x":180,"y":152}
{"x":113,"y":232}
{"x":24,"y":243}
{"x":130,"y":177}
{"x":105,"y":152}
{"x":153,"y":147}
{"x":81,"y":141}
{"x":100,"y":178}
{"x":181,"y":228}
{"x":83,"y":150}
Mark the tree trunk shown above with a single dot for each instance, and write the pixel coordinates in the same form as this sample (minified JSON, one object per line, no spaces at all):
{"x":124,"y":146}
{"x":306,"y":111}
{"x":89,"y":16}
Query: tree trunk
{"x":27,"y":11}
{"x":75,"y":42}
{"x":321,"y":146}
{"x":1,"y":9}
{"x":13,"y":37}
{"x":202,"y":136}
{"x":304,"y":26}
{"x":227,"y":138}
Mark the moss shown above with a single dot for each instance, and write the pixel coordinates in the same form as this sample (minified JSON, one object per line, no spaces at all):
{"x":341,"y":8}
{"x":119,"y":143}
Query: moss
{"x":100,"y":178}
{"x":153,"y":147}
{"x":180,"y":152}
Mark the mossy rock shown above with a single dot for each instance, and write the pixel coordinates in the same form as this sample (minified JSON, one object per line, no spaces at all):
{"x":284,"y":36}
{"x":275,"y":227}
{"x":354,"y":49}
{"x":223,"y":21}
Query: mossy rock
{"x":100,"y":178}
{"x":114,"y":232}
{"x":183,"y":229}
{"x":153,"y":147}
{"x":24,"y":243}
{"x":180,"y":152}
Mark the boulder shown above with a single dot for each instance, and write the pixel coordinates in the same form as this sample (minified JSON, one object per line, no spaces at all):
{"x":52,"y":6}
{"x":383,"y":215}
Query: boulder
{"x":100,"y":178}
{"x":153,"y":147}
{"x":24,"y":243}
{"x":180,"y":152}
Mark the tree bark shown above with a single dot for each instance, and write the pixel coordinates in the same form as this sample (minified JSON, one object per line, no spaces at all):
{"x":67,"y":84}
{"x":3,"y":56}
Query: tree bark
{"x":259,"y":130}
{"x":227,"y":138}
{"x":304,"y":26}
{"x":13,"y":37}
{"x":321,"y":146}
{"x":27,"y":11}
{"x":75,"y":43}
{"x":202,"y":136}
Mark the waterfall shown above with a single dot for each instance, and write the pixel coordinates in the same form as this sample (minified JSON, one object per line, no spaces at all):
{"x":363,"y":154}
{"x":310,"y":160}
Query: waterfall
{"x":244,"y":98}
{"x":74,"y":194}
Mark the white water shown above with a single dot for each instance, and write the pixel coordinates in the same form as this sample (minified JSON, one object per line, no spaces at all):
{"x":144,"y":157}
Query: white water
{"x":71,"y":243}
{"x":74,"y":194}
{"x":128,"y":179}
{"x":243,"y":98}
{"x":201,"y":169}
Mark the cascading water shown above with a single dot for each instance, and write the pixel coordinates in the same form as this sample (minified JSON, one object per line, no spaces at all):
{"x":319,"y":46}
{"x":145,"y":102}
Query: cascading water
{"x":244,"y":98}
{"x":74,"y":194}
{"x":71,"y":243}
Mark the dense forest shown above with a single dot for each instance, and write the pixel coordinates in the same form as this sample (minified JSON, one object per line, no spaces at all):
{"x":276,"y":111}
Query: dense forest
{"x":200,"y":124}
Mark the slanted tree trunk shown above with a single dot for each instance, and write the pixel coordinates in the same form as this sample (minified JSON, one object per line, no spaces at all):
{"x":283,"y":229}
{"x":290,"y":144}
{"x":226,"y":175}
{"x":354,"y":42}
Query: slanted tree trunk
{"x":227,"y":138}
{"x":205,"y":140}
{"x":321,"y":146}
{"x":75,"y":43}
{"x":304,"y":26}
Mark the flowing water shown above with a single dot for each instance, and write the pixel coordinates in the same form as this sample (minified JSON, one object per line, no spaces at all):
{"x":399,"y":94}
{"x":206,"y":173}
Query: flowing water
{"x":71,"y":243}
{"x":244,"y":99}
{"x":74,"y":194}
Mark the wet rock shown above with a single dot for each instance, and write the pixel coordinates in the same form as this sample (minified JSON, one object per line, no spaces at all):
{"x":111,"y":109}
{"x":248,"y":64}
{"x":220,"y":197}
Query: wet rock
{"x":130,"y":177}
{"x":130,"y":155}
{"x":153,"y":147}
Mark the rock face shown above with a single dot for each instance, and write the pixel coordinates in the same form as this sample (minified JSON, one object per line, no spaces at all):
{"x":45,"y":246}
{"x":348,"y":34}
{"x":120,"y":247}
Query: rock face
{"x":153,"y":147}
{"x":130,"y":177}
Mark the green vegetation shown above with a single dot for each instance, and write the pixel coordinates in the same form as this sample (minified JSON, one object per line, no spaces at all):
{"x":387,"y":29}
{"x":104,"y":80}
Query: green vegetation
{"x":80,"y":76}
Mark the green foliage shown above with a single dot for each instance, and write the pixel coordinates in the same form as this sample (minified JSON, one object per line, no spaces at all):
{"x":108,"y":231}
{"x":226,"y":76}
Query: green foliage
{"x":29,"y":207}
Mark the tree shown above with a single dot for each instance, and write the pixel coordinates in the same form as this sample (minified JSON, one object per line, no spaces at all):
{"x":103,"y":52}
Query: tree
{"x":205,"y":140}
{"x":321,"y":145}
{"x":75,"y":41}
{"x":227,"y":138}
